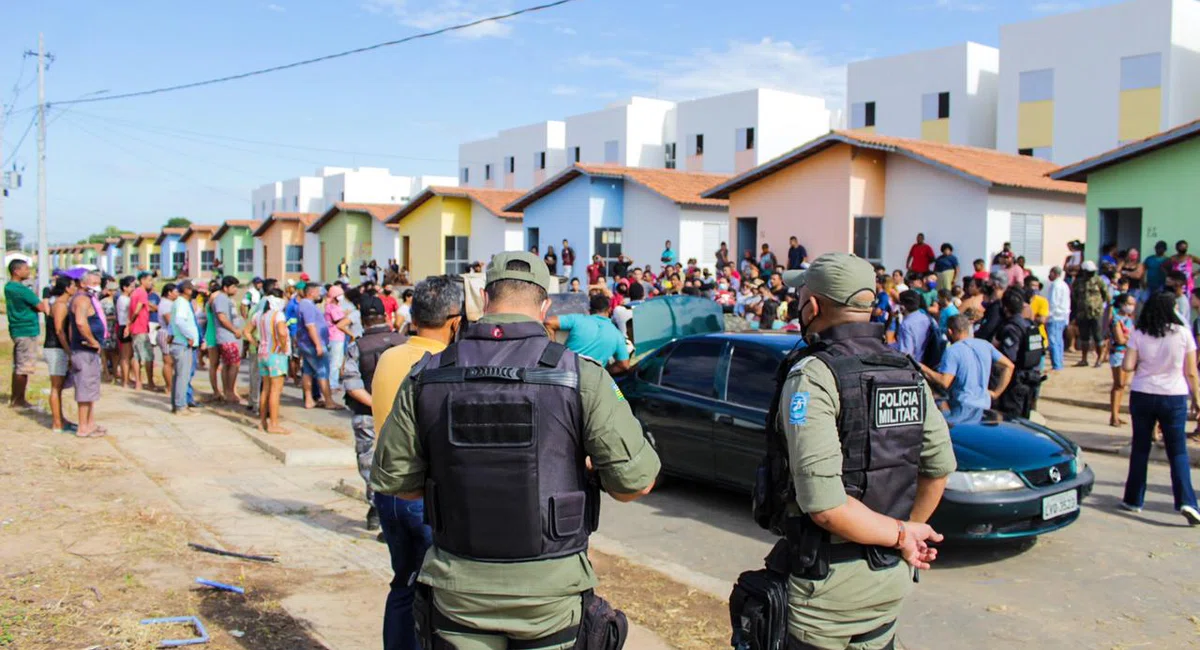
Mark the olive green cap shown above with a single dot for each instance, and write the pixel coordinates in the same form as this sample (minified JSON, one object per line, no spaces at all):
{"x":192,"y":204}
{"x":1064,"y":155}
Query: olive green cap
{"x":841,"y":277}
{"x":537,"y":274}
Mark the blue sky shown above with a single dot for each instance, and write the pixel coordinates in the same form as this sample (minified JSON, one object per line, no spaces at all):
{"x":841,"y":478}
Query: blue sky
{"x":135,"y":162}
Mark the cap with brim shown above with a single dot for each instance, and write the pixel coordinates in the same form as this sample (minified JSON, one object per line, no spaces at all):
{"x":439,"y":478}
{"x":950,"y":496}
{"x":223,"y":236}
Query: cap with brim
{"x":301,"y":285}
{"x":1089,"y":266}
{"x":537,"y":274}
{"x":145,"y":274}
{"x":841,"y":277}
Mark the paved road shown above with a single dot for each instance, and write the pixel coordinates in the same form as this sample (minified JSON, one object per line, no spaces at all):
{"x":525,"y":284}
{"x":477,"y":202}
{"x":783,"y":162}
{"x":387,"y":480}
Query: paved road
{"x":1111,"y":580}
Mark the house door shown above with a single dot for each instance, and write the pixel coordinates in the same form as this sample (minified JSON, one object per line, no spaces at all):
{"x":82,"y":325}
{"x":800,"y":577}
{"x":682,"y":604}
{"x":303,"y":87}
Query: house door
{"x":266,"y":262}
{"x":405,"y":249}
{"x":531,"y":239}
{"x":1121,"y":226}
{"x":747,"y":237}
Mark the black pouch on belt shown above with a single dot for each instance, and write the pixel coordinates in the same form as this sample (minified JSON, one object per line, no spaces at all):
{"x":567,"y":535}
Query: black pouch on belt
{"x":423,"y":616}
{"x":758,"y":611}
{"x":603,"y":628}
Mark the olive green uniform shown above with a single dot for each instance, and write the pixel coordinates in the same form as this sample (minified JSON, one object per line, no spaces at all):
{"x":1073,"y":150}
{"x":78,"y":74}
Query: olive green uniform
{"x":853,"y":599}
{"x":525,"y":600}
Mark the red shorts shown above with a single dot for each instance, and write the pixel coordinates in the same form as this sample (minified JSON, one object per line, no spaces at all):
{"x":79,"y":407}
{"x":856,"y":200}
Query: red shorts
{"x":231,"y":353}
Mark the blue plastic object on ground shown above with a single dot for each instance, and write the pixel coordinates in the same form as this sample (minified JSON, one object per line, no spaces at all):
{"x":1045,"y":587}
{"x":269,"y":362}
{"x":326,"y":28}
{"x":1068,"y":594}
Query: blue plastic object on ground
{"x":174,"y":643}
{"x":220,"y":585}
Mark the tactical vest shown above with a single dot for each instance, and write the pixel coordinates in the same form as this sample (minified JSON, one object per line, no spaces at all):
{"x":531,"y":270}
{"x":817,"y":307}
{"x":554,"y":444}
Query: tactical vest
{"x":881,"y":429}
{"x":500,"y":421}
{"x":373,"y":343}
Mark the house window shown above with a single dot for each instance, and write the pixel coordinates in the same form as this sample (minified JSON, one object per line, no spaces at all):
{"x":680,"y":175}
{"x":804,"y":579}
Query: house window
{"x":868,"y":238}
{"x":612,"y":151}
{"x":178,"y":259}
{"x":487,"y":172}
{"x":264,"y":209}
{"x":155,"y":261}
{"x":1025,"y":233}
{"x":207,"y":260}
{"x":745,"y":139}
{"x":296,"y":203}
{"x":608,"y":247}
{"x":698,"y":145}
{"x":539,"y":160}
{"x":935,"y":106}
{"x":510,"y":164}
{"x":669,"y":155}
{"x":1036,"y":86}
{"x":862,"y":115}
{"x":293,"y":259}
{"x":134,"y":262}
{"x":245,"y":260}
{"x":576,"y":154}
{"x":457,"y":256}
{"x":466,"y":178}
{"x":1024,"y":152}
{"x":1045,"y":153}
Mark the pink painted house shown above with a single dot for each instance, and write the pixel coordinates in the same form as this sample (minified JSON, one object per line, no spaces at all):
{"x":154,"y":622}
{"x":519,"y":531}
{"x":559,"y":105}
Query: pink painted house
{"x":851,"y":191}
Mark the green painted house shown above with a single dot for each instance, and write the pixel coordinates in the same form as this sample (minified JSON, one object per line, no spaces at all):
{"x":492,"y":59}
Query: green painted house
{"x":357,"y":233}
{"x":1143,"y":192}
{"x":235,"y":247}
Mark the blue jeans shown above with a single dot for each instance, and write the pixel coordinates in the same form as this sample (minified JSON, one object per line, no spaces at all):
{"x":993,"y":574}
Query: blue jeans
{"x":408,"y":538}
{"x":1172,"y":412}
{"x":1054,"y":331}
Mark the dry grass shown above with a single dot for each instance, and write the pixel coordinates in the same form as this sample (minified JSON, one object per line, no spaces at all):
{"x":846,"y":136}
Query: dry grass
{"x":686,"y":618}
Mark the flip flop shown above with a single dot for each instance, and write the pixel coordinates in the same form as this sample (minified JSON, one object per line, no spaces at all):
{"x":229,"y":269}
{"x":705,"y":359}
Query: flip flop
{"x":68,"y":427}
{"x":96,"y":433}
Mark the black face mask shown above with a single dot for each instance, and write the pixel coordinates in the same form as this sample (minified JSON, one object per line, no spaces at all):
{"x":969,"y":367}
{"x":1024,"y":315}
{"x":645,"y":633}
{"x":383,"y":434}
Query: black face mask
{"x":800,"y":317}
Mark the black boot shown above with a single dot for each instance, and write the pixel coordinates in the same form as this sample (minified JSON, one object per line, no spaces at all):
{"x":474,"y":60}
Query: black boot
{"x":372,"y":519}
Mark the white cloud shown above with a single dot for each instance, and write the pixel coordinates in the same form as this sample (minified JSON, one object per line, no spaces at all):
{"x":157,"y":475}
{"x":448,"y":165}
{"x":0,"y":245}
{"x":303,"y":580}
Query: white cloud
{"x":741,"y":66}
{"x":437,"y":14}
{"x":565,"y":31}
{"x":1056,"y":7}
{"x":563,"y":90}
{"x":276,"y":8}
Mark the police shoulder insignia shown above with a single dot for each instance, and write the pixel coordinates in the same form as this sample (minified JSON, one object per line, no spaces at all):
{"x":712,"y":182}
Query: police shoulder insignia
{"x":798,"y":409}
{"x":617,"y":392}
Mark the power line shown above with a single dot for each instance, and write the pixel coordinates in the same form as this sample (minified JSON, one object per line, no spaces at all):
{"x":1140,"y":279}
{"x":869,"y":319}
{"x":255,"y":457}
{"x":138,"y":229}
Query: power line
{"x":13,"y":156}
{"x":327,"y":57}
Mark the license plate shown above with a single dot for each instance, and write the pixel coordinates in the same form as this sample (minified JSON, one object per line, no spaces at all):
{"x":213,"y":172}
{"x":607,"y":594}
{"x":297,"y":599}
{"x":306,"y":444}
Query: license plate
{"x":1060,"y":504}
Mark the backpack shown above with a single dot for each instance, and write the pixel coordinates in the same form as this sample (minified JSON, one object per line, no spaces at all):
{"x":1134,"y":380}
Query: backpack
{"x":935,"y":345}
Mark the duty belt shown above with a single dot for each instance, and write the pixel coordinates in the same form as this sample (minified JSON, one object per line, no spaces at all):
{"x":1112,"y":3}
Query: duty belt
{"x":443,"y":624}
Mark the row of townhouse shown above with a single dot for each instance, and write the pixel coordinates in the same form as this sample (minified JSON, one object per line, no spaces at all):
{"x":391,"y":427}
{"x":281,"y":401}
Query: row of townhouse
{"x":1061,"y":88}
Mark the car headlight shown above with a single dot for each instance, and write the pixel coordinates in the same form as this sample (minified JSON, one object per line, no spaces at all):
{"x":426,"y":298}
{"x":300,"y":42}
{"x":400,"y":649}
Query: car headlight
{"x":1077,"y":464}
{"x":989,"y":481}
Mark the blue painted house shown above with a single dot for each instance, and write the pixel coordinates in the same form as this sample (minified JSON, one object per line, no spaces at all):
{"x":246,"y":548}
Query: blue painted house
{"x":171,"y":252}
{"x":610,"y":210}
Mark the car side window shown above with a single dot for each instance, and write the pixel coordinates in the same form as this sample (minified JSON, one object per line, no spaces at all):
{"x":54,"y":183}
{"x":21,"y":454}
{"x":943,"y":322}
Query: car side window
{"x":751,"y":377}
{"x":650,"y":369}
{"x":692,"y":368}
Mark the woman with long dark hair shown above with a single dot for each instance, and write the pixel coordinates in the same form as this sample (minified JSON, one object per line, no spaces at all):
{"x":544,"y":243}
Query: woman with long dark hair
{"x":1161,"y":354}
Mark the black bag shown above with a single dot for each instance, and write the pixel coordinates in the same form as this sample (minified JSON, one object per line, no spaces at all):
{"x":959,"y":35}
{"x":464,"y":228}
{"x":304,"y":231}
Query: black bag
{"x":758,"y":611}
{"x":603,"y":628}
{"x":935,"y":346}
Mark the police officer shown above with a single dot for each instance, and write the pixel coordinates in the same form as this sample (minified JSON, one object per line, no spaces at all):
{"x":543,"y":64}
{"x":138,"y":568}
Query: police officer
{"x":362,"y":354}
{"x":857,"y":462}
{"x":1020,"y":342}
{"x":494,"y":432}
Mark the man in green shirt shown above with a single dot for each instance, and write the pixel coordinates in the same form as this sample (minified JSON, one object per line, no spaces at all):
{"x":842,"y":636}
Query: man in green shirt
{"x":23,"y":308}
{"x":485,"y":503}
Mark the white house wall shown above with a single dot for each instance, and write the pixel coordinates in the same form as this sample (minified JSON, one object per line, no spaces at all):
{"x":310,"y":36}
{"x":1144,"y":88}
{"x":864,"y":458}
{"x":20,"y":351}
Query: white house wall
{"x":1183,"y":68}
{"x":521,"y":143}
{"x":645,"y":130}
{"x":946,"y":207}
{"x":259,"y":258}
{"x":693,"y":223}
{"x":385,"y":242}
{"x":1002,"y":203}
{"x":786,"y":121}
{"x":1084,"y":49}
{"x":983,"y":87}
{"x":650,"y":220}
{"x":491,"y":235}
{"x":311,"y":257}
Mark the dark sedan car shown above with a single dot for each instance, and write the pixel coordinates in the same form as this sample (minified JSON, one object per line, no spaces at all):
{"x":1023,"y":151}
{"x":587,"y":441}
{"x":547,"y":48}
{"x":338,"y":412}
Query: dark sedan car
{"x":703,"y":402}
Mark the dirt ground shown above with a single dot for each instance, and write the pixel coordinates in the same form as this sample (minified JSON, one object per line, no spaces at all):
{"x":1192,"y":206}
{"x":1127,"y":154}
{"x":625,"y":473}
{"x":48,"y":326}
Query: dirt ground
{"x":89,"y":547}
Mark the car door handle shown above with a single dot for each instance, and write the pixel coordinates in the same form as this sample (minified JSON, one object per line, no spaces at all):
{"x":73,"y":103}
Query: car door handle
{"x":723,"y":419}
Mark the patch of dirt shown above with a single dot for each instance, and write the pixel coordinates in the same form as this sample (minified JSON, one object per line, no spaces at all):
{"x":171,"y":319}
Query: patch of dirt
{"x":89,"y":547}
{"x":686,"y":618}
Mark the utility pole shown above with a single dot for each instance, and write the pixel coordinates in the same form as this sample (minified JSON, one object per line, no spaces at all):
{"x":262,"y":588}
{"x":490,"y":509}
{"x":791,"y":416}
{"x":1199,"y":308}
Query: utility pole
{"x":3,"y":195}
{"x":43,"y":254}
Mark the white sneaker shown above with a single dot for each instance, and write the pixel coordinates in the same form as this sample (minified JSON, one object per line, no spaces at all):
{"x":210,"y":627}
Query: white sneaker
{"x":1130,"y":508}
{"x":1191,"y":514}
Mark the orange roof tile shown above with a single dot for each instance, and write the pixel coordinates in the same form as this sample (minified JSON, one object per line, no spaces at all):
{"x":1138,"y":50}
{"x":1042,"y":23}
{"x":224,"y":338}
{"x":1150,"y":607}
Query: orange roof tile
{"x":166,"y":232}
{"x":983,"y":165}
{"x":680,"y":187}
{"x":1079,"y":171}
{"x":252,"y":224}
{"x":196,"y":229}
{"x":492,"y":200}
{"x":379,"y":211}
{"x":304,"y":218}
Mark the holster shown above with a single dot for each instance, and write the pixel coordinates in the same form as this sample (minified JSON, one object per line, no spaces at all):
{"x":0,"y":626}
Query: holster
{"x":602,"y":627}
{"x":758,"y":611}
{"x":423,"y":617}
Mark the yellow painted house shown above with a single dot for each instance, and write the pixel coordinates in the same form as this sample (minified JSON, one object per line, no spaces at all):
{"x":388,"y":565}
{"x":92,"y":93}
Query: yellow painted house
{"x":446,"y":229}
{"x":145,"y":253}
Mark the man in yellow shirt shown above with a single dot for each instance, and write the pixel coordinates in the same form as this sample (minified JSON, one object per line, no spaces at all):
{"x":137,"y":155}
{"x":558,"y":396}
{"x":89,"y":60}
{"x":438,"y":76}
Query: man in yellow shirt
{"x":436,"y":316}
{"x":1039,"y":307}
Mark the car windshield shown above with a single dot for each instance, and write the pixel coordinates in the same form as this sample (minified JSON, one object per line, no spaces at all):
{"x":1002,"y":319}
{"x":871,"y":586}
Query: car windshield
{"x":659,"y":321}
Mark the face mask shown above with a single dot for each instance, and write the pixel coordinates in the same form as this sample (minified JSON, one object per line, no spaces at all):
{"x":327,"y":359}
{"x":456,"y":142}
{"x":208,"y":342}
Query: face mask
{"x":1128,"y":309}
{"x":724,"y":287}
{"x":274,"y":304}
{"x":800,"y":317}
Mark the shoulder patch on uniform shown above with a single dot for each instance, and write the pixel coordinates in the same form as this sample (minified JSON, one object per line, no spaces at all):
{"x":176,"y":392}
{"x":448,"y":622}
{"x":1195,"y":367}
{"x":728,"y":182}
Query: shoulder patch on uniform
{"x":800,"y":365}
{"x":617,"y":391}
{"x":798,"y":409}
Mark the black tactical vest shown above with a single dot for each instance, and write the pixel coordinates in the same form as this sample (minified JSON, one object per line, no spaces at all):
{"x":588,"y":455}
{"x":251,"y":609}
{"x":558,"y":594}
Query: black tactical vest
{"x":373,"y":343}
{"x":880,"y":425}
{"x":500,"y":422}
